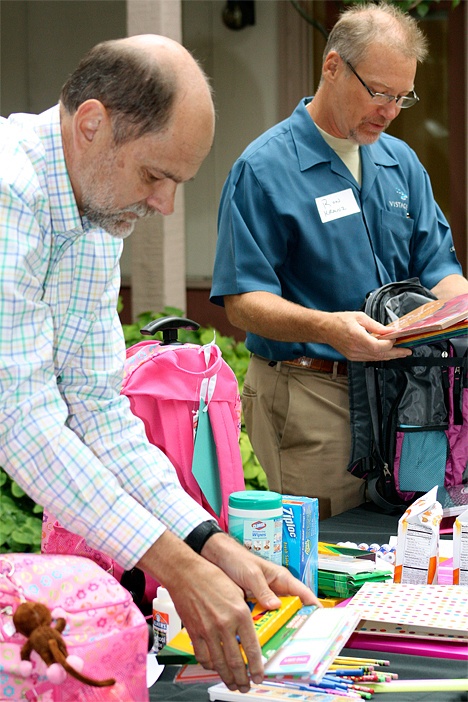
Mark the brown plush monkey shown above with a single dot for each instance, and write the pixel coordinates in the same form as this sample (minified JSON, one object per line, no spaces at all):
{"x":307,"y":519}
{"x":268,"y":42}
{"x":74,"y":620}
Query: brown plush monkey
{"x":34,"y":620}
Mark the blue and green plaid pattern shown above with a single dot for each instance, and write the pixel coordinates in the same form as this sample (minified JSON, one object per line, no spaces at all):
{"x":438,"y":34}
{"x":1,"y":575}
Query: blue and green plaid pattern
{"x":67,"y":436}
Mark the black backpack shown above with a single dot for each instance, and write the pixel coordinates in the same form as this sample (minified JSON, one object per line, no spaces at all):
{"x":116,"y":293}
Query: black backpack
{"x":409,"y":417}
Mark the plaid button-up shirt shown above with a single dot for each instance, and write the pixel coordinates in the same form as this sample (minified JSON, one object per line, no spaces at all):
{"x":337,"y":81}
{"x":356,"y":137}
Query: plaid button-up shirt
{"x":67,"y":436}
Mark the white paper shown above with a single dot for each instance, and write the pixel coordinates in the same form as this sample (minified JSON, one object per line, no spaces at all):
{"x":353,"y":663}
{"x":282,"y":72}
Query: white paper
{"x":153,"y":669}
{"x":340,"y":204}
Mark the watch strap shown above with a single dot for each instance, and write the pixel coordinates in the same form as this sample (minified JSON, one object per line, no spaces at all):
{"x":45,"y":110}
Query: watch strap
{"x":200,"y":535}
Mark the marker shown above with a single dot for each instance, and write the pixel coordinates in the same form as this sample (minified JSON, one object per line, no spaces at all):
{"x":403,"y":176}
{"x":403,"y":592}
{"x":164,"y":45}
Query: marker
{"x":333,"y":684}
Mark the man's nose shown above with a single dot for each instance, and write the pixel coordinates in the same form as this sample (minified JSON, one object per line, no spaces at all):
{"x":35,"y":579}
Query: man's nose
{"x":163,"y":196}
{"x":390,"y":110}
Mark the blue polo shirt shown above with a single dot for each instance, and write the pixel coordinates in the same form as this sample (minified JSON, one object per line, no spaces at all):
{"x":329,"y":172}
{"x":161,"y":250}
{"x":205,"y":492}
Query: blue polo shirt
{"x":278,"y":231}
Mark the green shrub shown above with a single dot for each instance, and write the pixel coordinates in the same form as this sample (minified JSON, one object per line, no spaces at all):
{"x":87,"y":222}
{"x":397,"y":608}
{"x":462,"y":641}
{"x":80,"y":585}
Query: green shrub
{"x":20,"y":519}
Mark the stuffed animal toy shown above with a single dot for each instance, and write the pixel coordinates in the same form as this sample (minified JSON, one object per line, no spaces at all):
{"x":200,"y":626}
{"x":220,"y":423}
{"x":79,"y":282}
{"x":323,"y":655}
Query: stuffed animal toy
{"x":34,"y":620}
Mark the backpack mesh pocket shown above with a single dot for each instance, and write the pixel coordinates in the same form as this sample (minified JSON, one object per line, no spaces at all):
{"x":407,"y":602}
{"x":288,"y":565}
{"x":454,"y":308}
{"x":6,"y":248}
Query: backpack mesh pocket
{"x":423,"y":458}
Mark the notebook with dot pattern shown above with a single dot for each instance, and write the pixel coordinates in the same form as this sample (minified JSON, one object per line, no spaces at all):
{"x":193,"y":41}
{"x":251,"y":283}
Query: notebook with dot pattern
{"x":437,"y":612}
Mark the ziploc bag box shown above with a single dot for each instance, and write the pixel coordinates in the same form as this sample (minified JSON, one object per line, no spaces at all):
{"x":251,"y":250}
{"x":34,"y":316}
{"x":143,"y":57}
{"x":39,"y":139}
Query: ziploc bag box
{"x":300,"y":538}
{"x":460,"y":549}
{"x":417,"y":551}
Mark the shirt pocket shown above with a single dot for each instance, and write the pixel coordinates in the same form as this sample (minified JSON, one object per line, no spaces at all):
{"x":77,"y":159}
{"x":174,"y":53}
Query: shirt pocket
{"x":394,"y":243}
{"x":70,"y":338}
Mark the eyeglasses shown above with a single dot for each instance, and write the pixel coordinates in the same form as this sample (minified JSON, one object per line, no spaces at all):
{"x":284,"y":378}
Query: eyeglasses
{"x":403,"y":101}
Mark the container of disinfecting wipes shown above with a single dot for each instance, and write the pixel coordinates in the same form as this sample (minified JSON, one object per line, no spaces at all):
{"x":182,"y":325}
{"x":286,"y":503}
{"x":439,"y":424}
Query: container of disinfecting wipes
{"x":255,"y":519}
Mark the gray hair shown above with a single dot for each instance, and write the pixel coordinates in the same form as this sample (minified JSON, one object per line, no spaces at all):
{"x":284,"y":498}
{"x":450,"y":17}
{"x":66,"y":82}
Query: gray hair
{"x":137,"y":92}
{"x":370,"y":23}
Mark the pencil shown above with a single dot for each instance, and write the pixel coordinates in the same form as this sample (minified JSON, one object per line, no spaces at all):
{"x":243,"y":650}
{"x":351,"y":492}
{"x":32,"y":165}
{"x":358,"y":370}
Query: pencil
{"x":429,"y":685}
{"x":369,"y":661}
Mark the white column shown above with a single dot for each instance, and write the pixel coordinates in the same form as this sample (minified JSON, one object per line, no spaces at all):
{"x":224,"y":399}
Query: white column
{"x":157,"y":246}
{"x":466,"y":113}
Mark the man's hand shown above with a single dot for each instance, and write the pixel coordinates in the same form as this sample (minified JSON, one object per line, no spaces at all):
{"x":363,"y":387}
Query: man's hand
{"x":350,"y":333}
{"x":256,"y":576}
{"x":209,"y":594}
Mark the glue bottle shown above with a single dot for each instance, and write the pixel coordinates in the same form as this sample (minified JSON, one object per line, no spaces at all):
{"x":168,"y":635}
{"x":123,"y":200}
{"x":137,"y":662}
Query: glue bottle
{"x":166,"y":621}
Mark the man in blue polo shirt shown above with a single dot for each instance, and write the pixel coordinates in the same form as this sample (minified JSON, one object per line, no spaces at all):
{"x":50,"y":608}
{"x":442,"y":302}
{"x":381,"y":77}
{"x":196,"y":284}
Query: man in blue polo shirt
{"x":318,"y":211}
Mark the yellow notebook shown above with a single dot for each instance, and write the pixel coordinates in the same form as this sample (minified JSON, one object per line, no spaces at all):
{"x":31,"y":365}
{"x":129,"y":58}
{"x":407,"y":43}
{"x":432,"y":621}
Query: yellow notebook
{"x":179,"y":650}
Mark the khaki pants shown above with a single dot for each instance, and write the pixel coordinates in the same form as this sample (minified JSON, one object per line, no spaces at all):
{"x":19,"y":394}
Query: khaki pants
{"x":298,"y":422}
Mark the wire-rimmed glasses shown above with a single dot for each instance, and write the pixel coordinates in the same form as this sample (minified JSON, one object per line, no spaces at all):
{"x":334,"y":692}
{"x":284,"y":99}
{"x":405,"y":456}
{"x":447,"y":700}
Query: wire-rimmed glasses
{"x":403,"y":101}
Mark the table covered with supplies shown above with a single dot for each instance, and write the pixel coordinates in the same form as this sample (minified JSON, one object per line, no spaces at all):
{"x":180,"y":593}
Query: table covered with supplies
{"x":362,"y":524}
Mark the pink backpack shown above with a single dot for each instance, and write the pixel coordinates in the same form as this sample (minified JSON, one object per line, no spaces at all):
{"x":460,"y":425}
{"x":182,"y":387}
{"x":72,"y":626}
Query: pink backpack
{"x":174,"y":389}
{"x":105,"y":631}
{"x":188,"y":398}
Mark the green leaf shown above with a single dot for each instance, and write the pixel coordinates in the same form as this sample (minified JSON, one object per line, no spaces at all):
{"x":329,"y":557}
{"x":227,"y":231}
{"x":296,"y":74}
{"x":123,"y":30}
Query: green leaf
{"x":7,"y":526}
{"x":16,"y":491}
{"x":422,"y":9}
{"x":21,"y":537}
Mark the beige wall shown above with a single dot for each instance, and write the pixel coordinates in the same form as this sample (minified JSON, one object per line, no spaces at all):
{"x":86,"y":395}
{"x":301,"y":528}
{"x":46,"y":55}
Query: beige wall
{"x":42,"y":40}
{"x":243,"y":68}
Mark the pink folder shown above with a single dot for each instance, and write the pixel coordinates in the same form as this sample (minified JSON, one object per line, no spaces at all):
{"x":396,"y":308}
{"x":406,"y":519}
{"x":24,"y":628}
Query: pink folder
{"x":414,"y":647}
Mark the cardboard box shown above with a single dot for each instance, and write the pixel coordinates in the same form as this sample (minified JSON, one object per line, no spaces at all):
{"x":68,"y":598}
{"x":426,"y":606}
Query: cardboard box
{"x":300,"y":538}
{"x":460,"y":549}
{"x":417,"y":552}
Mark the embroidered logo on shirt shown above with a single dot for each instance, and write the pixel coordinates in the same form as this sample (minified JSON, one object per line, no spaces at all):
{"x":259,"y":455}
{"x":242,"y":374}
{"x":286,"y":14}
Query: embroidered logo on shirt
{"x":402,"y":202}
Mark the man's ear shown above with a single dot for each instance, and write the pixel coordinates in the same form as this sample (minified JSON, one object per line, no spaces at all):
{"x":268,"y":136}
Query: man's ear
{"x":332,"y":66}
{"x":90,"y":122}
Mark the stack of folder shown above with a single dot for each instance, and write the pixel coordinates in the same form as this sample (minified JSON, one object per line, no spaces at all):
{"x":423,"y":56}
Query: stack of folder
{"x":342,"y":571}
{"x":331,"y":584}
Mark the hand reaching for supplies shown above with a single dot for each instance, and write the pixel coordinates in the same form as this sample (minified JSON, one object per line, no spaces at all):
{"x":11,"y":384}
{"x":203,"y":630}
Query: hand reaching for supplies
{"x":209,"y":594}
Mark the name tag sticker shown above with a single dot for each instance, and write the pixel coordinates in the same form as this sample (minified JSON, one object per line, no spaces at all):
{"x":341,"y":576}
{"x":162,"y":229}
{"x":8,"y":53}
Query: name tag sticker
{"x":336,"y":205}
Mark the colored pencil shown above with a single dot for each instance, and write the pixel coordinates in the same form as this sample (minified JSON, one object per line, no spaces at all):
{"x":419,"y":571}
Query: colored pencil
{"x":429,"y":685}
{"x":353,"y":659}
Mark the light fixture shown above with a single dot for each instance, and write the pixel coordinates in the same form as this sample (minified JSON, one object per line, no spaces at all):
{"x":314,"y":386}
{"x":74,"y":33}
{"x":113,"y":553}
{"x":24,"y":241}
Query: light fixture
{"x":237,"y":14}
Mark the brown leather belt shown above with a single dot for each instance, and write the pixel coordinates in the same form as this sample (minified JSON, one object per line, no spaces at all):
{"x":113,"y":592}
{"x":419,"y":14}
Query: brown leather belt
{"x":319,"y":364}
